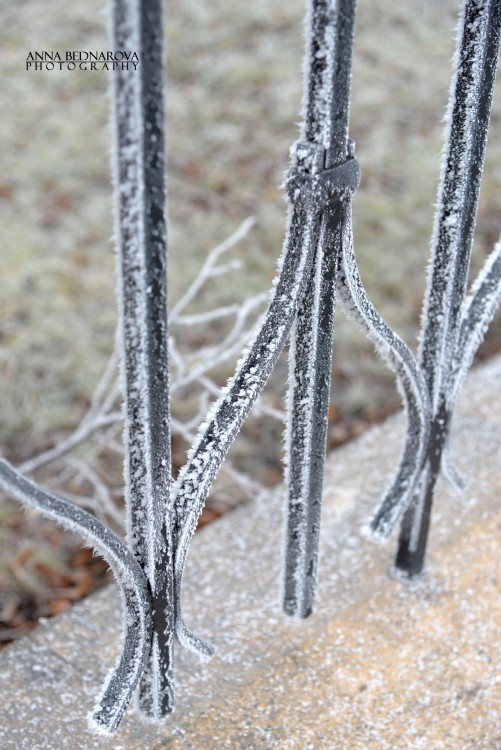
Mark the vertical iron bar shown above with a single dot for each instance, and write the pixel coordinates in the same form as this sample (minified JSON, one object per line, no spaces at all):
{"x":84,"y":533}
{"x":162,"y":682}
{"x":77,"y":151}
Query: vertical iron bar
{"x":469,"y":107}
{"x":326,"y":124}
{"x":468,"y":117}
{"x":416,"y":521}
{"x":142,"y":288}
{"x":234,"y":404}
{"x":159,"y":700}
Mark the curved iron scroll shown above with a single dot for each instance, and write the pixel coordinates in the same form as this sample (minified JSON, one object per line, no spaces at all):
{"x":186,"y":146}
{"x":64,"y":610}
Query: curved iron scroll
{"x":124,"y":678}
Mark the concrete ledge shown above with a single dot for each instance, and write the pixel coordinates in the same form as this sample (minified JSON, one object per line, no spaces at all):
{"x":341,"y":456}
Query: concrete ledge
{"x":380,"y":664}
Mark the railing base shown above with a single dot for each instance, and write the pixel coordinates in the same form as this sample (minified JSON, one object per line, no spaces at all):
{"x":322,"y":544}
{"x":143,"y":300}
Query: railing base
{"x":374,"y":663}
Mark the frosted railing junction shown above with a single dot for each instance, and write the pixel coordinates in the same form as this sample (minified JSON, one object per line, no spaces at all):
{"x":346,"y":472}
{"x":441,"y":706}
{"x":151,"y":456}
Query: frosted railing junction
{"x":317,"y":266}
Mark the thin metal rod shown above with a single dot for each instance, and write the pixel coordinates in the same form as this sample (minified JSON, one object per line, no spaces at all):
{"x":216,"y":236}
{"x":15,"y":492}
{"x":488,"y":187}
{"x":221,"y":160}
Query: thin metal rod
{"x":124,"y":677}
{"x":310,"y":359}
{"x":141,"y":229}
{"x":469,"y":107}
{"x":229,"y":412}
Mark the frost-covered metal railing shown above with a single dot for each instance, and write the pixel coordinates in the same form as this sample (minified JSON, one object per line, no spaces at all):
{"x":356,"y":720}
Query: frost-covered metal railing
{"x":317,"y":265}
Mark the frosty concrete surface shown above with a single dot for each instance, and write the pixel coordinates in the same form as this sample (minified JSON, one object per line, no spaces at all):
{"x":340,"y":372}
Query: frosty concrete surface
{"x":380,"y":664}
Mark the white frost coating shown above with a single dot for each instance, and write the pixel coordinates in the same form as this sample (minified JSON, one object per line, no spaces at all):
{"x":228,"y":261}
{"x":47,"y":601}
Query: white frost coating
{"x":124,"y":677}
{"x":315,"y":182}
{"x":228,"y":348}
{"x":127,"y":168}
{"x":449,"y":259}
{"x":419,"y":508}
{"x":298,"y":431}
{"x":477,"y":313}
{"x":452,"y":328}
{"x":139,"y":173}
{"x":449,"y":470}
{"x":359,"y":308}
{"x":209,"y":269}
{"x":318,"y":71}
{"x":228,"y":413}
{"x":478,"y":310}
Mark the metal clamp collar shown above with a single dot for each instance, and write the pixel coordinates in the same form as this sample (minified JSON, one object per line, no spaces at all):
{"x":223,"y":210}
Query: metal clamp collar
{"x":310,"y":184}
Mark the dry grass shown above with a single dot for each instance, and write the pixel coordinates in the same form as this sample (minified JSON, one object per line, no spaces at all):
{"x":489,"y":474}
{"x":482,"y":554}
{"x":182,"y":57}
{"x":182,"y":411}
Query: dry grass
{"x":233,"y":103}
{"x":234,"y":98}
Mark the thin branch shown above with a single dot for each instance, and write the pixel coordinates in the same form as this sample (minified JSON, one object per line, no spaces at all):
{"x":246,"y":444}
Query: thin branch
{"x":226,"y":417}
{"x":207,"y":270}
{"x":83,"y":432}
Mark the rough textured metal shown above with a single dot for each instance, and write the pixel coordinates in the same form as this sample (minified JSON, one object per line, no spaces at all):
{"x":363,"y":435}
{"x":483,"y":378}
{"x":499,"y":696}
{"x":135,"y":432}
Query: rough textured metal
{"x":139,"y":174}
{"x":443,"y":357}
{"x":122,"y":680}
{"x":331,"y":181}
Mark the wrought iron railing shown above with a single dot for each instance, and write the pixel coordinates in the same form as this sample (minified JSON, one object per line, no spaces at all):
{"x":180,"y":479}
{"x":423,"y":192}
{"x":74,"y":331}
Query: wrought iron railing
{"x":317,"y":266}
